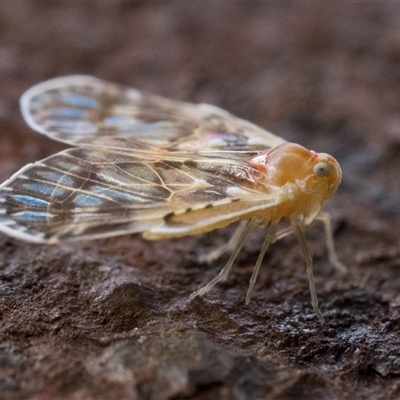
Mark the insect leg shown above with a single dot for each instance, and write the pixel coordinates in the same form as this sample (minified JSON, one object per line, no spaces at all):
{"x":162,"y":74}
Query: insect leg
{"x":270,"y":238}
{"x":282,"y":233}
{"x":250,"y":225}
{"x":298,"y":231}
{"x":226,"y":247}
{"x":325,"y":218}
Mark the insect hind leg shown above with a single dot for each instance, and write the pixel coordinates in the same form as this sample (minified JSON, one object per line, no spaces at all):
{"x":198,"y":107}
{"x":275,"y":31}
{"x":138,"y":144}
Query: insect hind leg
{"x":239,"y":242}
{"x":227,"y":247}
{"x":230,"y":246}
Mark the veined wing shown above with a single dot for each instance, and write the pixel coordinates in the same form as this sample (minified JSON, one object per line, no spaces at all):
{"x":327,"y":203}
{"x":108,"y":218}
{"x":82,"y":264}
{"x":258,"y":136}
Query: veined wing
{"x":86,"y":193}
{"x":85,"y":111}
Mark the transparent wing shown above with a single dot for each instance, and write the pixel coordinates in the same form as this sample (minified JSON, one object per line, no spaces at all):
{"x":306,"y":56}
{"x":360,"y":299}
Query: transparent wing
{"x":84,"y":193}
{"x":82,"y":110}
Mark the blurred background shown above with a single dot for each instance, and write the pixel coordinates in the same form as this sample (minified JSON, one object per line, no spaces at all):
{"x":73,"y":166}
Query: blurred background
{"x":111,"y":319}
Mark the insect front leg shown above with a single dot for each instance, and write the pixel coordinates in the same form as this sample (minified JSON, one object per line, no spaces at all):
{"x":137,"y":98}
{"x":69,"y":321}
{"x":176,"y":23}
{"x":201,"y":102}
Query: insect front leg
{"x":270,"y":238}
{"x":325,"y":218}
{"x":229,"y":246}
{"x":297,"y":227}
{"x":248,"y":228}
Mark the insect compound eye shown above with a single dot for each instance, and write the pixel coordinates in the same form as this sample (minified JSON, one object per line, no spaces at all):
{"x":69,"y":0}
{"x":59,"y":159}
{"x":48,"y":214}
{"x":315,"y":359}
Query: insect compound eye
{"x":322,"y":169}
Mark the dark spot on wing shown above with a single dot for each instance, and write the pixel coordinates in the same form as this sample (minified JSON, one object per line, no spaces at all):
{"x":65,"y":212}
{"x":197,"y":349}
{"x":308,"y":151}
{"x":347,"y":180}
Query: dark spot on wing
{"x":168,"y":216}
{"x":190,"y":164}
{"x":171,"y":164}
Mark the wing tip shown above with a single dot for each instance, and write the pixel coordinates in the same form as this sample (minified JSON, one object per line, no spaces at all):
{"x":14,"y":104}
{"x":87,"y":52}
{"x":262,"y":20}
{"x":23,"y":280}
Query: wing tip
{"x":50,"y":84}
{"x":19,"y":232}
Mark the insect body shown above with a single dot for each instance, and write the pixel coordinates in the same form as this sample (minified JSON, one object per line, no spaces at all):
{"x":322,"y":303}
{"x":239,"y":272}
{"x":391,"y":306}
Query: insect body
{"x":142,"y":163}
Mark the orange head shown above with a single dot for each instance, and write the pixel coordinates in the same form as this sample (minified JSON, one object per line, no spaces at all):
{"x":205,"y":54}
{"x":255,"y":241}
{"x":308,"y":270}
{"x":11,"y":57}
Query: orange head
{"x":313,"y":173}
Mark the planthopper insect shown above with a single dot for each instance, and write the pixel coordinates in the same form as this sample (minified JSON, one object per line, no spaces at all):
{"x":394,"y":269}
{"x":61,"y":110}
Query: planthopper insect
{"x":143,"y":163}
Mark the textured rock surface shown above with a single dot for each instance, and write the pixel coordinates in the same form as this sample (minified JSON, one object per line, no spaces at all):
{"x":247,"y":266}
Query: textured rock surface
{"x":111,"y":319}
